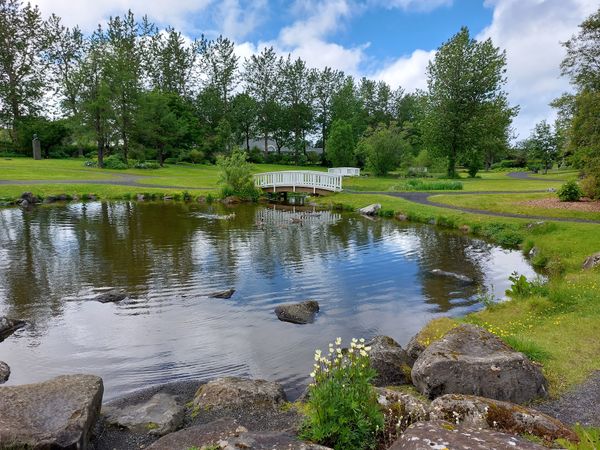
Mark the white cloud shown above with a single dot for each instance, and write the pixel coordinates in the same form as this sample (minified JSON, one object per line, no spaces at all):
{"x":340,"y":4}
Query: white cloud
{"x":531,"y":32}
{"x":237,"y":21}
{"x":414,"y":5}
{"x":407,"y":71}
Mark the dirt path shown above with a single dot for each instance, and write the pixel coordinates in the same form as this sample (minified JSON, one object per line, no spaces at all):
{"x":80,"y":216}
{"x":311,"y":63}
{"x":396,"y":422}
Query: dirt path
{"x":581,"y":405}
{"x":422,"y":198}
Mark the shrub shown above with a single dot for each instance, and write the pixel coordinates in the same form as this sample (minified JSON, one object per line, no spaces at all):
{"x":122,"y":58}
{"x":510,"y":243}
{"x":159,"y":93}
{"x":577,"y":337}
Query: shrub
{"x":313,"y":157}
{"x":521,"y":287}
{"x":196,"y":156}
{"x":236,"y":177}
{"x":570,"y":192}
{"x":146,"y":165}
{"x":420,"y":185}
{"x":591,"y":187}
{"x":114,"y":162}
{"x":342,"y":409}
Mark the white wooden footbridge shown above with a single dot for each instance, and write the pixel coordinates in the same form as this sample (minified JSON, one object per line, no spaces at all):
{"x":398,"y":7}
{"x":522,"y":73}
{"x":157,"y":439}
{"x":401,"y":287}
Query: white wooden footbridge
{"x":308,"y":181}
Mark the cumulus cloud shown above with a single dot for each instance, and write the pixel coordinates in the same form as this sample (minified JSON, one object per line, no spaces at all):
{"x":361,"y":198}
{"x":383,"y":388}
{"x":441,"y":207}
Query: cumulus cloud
{"x":407,"y":71}
{"x":238,"y":20}
{"x":415,"y":5}
{"x":531,"y":31}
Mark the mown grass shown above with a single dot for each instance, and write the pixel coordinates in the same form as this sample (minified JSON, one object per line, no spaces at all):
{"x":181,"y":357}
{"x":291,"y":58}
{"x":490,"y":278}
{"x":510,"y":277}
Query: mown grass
{"x":512,"y":203}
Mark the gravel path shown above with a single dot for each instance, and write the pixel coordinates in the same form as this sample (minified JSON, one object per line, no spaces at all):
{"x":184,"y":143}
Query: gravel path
{"x":527,"y":176}
{"x":422,"y":198}
{"x":581,"y":405}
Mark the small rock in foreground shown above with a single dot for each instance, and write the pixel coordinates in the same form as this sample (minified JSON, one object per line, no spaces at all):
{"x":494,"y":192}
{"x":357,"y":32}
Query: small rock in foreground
{"x":370,"y":210}
{"x":4,"y":372}
{"x":228,"y":392}
{"x":299,"y":313}
{"x":222,"y":294}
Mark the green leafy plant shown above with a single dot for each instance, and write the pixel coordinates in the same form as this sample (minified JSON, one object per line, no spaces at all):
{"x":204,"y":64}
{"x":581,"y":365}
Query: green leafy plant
{"x":521,"y":287}
{"x":570,"y":192}
{"x":236,"y":176}
{"x":342,"y":410}
{"x":589,"y":439}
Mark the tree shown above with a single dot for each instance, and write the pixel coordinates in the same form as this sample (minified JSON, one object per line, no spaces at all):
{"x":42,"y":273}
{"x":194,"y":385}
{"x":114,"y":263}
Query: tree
{"x":327,"y":83}
{"x":236,"y":175}
{"x":23,"y":41}
{"x":346,"y":106}
{"x":244,"y":110}
{"x":542,"y":145}
{"x":220,"y":66}
{"x":260,"y":76}
{"x":341,"y":144}
{"x":384,"y":149}
{"x":465,"y":81}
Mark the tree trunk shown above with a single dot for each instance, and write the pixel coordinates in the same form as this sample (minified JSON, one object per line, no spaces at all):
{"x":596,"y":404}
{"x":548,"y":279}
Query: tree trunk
{"x":452,"y":163}
{"x":160,"y":156}
{"x":266,"y":144}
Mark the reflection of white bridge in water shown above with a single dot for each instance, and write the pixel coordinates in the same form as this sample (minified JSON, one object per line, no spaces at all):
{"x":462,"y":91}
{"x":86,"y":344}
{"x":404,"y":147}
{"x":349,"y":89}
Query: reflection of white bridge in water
{"x":307,"y":181}
{"x":276,"y":216}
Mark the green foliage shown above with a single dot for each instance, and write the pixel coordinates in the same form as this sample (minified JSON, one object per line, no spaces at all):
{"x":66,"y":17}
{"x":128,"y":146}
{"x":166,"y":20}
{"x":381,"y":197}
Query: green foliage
{"x":532,"y":350}
{"x":52,"y":135}
{"x":236,"y":176}
{"x":521,"y":287}
{"x":342,"y":409}
{"x":503,"y":234}
{"x":421,"y":185}
{"x":589,"y":439}
{"x":340,"y":144}
{"x":146,"y":165}
{"x":115,"y":162}
{"x":383,"y":149}
{"x":570,"y":192}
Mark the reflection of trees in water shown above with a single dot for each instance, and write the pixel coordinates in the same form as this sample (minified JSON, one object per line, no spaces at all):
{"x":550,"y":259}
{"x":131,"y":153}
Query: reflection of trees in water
{"x":450,"y":252}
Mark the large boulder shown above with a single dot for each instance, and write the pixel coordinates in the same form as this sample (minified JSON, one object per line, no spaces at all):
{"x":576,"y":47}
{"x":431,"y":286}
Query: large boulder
{"x":227,"y":435}
{"x":370,"y":210}
{"x":445,"y":435}
{"x":8,"y":326}
{"x":479,"y":412}
{"x":471,"y":360}
{"x":300,"y":313}
{"x":592,"y":261}
{"x":390,"y":361}
{"x":4,"y":372}
{"x":55,"y":414}
{"x":414,"y":349}
{"x":161,"y":414}
{"x":232,"y":392}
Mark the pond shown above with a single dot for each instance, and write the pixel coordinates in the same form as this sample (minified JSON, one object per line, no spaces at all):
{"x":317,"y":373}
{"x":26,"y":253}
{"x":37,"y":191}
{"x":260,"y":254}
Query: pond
{"x":369,"y":276}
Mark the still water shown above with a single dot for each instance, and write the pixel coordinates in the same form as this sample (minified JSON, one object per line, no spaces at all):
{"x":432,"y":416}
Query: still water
{"x":370,"y":277}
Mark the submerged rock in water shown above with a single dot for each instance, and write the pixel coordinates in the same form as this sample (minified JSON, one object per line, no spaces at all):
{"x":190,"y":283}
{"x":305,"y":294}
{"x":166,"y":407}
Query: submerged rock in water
{"x":457,"y":276}
{"x":222,"y":294}
{"x":8,"y":326}
{"x":370,"y":210}
{"x":228,"y":392}
{"x":58,"y":413}
{"x":111,"y":296}
{"x":299,"y":313}
{"x":439,"y":434}
{"x":479,"y":412}
{"x":4,"y":372}
{"x":390,"y":361}
{"x":471,"y":360}
{"x":161,"y":414}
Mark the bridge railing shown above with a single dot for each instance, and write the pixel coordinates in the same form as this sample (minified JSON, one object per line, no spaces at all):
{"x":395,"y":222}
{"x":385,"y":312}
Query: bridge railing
{"x":299,"y":178}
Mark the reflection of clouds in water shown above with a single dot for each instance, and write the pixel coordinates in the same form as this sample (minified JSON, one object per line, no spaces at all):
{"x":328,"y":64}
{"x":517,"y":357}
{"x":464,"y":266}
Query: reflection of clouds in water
{"x":367,"y":275}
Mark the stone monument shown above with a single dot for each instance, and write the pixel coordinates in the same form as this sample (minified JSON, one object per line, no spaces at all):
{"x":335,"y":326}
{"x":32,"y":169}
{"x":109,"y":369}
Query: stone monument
{"x":37,"y":149}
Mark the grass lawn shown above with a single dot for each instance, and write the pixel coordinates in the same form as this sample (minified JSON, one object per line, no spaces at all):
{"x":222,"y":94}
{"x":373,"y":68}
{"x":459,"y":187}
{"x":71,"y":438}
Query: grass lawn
{"x":511,"y":203}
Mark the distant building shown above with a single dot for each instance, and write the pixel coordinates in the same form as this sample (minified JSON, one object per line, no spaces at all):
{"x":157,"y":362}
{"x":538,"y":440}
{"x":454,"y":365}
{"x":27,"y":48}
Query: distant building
{"x":272,"y":146}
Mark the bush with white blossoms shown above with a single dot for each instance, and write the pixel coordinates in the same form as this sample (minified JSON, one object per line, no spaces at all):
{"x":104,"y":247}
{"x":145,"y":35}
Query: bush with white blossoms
{"x":342,"y":408}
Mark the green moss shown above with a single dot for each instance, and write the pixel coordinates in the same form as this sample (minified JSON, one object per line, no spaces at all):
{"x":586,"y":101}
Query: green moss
{"x":435,"y":330}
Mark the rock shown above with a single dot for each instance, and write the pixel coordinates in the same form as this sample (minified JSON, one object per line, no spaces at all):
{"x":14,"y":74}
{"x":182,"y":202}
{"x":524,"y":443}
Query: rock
{"x":161,"y":414}
{"x":24,"y":203}
{"x":222,"y":294}
{"x":92,"y":197}
{"x":8,"y":326}
{"x":201,"y":199}
{"x":390,"y":361}
{"x":401,"y":408}
{"x":111,"y":296}
{"x":402,"y":217}
{"x":227,"y":435}
{"x":300,"y":313}
{"x":370,"y":210}
{"x":55,"y":414}
{"x":592,"y":261}
{"x":228,"y":392}
{"x":414,"y":349}
{"x":140,"y":197}
{"x":533,"y":252}
{"x":168,"y":197}
{"x":479,"y":412}
{"x":56,"y":198}
{"x":465,"y":229}
{"x":444,"y":435}
{"x":471,"y":360}
{"x":4,"y":372}
{"x":442,"y":273}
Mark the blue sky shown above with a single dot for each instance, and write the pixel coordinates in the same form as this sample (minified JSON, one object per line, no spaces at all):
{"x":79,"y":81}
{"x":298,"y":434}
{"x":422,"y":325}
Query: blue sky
{"x":390,"y":40}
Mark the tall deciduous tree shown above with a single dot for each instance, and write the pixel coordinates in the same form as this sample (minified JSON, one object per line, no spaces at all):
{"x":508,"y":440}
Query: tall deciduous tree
{"x":465,"y":82}
{"x":23,"y":42}
{"x":327,"y":83}
{"x":542,"y":144}
{"x":220,"y":65}
{"x":341,"y":144}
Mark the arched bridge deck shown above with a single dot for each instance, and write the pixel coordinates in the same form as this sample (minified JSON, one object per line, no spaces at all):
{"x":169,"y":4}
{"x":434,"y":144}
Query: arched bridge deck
{"x":309,"y":181}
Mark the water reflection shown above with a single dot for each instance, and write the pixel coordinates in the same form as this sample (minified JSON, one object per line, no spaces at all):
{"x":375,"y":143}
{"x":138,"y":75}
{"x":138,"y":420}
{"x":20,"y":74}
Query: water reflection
{"x":370,"y":277}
